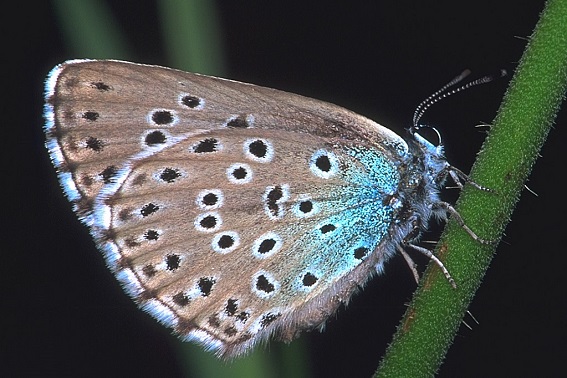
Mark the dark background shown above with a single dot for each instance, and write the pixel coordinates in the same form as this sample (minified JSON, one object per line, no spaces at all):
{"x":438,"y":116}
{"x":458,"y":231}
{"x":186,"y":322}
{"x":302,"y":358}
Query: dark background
{"x":63,"y":312}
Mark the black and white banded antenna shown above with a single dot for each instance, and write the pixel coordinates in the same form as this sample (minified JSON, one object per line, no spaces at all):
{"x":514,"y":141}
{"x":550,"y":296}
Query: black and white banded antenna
{"x":445,"y":92}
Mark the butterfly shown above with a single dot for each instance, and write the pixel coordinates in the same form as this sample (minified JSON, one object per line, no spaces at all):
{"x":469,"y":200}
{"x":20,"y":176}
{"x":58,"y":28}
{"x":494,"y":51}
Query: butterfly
{"x":232,"y":212}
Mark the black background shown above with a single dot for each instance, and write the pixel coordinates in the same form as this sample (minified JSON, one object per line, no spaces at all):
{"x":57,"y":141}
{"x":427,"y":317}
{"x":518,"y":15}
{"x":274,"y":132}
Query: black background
{"x":64,"y":314}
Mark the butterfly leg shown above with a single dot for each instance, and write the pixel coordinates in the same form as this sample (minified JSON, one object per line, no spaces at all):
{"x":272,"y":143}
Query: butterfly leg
{"x":411,"y":264}
{"x":435,"y":259}
{"x":457,"y":217}
{"x":459,"y":177}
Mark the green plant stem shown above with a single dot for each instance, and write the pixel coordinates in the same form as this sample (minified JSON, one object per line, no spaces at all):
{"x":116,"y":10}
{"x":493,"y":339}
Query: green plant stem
{"x":504,"y":163}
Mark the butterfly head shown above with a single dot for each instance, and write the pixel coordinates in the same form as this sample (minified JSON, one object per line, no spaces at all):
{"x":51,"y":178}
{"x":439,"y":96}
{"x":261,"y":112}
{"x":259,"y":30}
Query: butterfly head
{"x":435,"y":165}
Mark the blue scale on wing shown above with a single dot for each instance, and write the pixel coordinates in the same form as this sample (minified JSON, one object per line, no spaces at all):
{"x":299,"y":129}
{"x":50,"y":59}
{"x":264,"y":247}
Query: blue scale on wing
{"x":354,"y":217}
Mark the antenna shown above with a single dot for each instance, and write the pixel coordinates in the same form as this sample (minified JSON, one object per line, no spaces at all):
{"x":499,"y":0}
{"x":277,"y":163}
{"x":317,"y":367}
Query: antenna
{"x":445,"y":92}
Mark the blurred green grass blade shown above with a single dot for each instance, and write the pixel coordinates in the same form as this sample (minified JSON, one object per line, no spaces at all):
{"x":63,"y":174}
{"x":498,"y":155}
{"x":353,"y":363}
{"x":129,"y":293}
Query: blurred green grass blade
{"x":295,"y":359}
{"x":90,"y":30}
{"x":192,"y":35}
{"x":273,"y":360}
{"x":199,"y":363}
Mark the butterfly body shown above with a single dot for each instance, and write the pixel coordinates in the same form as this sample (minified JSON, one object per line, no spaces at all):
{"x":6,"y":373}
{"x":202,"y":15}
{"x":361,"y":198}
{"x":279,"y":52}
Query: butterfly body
{"x":232,"y":212}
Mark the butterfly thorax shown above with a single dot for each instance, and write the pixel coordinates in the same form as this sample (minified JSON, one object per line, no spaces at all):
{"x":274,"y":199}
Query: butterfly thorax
{"x":422,"y":175}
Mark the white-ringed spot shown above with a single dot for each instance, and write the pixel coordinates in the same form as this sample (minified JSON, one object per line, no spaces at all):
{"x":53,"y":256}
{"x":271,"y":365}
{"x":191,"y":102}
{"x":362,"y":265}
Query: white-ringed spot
{"x":208,"y":222}
{"x":260,"y":150}
{"x":267,"y":245}
{"x":324,"y":164}
{"x":239,"y":173}
{"x":210,"y":199}
{"x":264,"y":285}
{"x":225,"y":242}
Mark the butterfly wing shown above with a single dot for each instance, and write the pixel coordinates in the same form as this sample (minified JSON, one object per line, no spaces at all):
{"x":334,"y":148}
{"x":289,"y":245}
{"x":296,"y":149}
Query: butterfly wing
{"x":229,"y":211}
